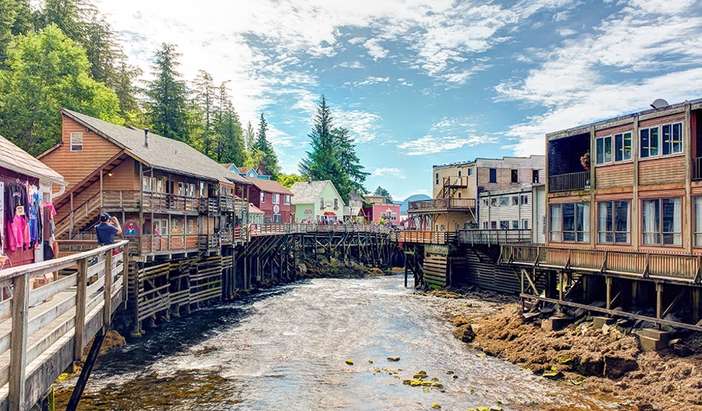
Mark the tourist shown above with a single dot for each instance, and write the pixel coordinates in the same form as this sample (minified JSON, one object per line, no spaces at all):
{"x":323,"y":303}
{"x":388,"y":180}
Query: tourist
{"x":107,"y":228}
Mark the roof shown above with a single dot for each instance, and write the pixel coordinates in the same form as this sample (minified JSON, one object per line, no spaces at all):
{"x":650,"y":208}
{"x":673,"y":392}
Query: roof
{"x":254,"y":210}
{"x":308,"y":192}
{"x":269,"y":186}
{"x":161,"y":153}
{"x":15,"y":159}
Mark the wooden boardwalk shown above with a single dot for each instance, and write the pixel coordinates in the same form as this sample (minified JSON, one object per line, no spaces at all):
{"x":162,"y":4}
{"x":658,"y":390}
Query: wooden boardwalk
{"x":44,"y":329}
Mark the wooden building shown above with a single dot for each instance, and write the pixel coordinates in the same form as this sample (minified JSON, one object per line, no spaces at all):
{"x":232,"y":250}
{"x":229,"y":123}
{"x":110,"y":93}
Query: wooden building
{"x":183,"y":213}
{"x":456,"y":188}
{"x":273,"y":199}
{"x":317,"y":202}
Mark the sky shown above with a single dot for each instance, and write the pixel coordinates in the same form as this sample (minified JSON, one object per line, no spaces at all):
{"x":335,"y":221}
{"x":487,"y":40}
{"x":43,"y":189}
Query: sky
{"x":424,"y":82}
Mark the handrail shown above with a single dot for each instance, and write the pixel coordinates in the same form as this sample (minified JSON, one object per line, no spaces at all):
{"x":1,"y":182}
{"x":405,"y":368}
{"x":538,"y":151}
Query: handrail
{"x":442,"y":203}
{"x":55,"y":264}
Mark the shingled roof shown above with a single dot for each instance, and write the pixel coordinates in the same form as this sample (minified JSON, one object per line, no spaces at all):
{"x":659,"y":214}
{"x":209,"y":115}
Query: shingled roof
{"x":309,"y":192}
{"x":269,"y":186}
{"x":15,"y":159}
{"x":162,"y":153}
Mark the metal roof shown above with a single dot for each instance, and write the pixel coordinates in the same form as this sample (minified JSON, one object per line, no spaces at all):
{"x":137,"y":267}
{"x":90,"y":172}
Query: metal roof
{"x":15,"y":159}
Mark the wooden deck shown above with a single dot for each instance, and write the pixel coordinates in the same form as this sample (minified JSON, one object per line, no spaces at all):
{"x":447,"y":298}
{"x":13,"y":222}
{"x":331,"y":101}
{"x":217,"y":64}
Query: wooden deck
{"x":669,"y":267}
{"x":43,"y":329}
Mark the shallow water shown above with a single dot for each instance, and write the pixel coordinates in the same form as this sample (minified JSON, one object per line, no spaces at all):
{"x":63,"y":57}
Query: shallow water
{"x":287,"y":348}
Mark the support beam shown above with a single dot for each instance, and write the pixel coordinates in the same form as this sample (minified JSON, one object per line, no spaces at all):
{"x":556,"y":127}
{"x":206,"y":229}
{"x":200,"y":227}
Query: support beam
{"x":18,"y":342}
{"x":81,"y":299}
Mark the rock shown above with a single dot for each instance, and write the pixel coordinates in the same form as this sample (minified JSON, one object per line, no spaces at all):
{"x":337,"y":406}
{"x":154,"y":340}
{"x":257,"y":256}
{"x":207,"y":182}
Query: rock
{"x":436,"y":406}
{"x":617,"y":366}
{"x":375,"y":272}
{"x":394,"y":358}
{"x":349,"y":362}
{"x":464,"y":333}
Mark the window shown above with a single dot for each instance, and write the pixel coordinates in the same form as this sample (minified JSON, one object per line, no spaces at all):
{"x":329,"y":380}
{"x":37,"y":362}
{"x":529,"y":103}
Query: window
{"x":485,"y":202}
{"x":321,"y":203}
{"x":672,"y":138}
{"x":436,"y":181}
{"x":76,"y":141}
{"x":698,"y":221}
{"x":662,"y":221}
{"x":604,"y":150}
{"x":535,"y":176}
{"x":493,"y":201}
{"x":504,"y":201}
{"x":276,"y":198}
{"x":515,"y":224}
{"x":336,"y":203}
{"x":504,"y":225}
{"x":515,"y":200}
{"x":262,"y":197}
{"x":160,"y":227}
{"x":459,"y":173}
{"x":286,"y":199}
{"x":613,"y":222}
{"x":622,"y":146}
{"x":525,"y":224}
{"x":514,"y":175}
{"x":459,"y":195}
{"x":671,"y":141}
{"x":493,"y":175}
{"x":570,"y":222}
{"x":493,"y":225}
{"x":525,"y":199}
{"x":276,"y":218}
{"x":485,"y":225}
{"x":470,"y":171}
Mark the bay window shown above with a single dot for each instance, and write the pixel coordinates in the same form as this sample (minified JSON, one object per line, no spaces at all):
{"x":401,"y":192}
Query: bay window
{"x":570,"y":222}
{"x":662,"y":221}
{"x":613,"y":221}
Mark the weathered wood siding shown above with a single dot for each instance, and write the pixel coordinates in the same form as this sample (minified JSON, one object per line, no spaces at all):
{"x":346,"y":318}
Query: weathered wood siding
{"x":74,"y":166}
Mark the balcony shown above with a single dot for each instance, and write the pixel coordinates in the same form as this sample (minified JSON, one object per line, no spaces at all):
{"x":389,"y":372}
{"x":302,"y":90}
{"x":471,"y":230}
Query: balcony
{"x":569,"y":182}
{"x":209,"y":206}
{"x":208,"y":242}
{"x":131,"y":199}
{"x":149,"y":244}
{"x":226,"y":204}
{"x":441,"y":204}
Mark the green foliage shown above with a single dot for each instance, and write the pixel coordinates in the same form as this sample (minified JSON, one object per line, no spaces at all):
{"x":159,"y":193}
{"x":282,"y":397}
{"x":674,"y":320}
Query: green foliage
{"x":332,"y":155}
{"x":263,"y":151}
{"x":166,"y":107}
{"x":48,"y":71}
{"x":15,"y":18}
{"x":287,"y":180}
{"x":230,"y":146}
{"x":249,"y":136}
{"x":380,"y":191}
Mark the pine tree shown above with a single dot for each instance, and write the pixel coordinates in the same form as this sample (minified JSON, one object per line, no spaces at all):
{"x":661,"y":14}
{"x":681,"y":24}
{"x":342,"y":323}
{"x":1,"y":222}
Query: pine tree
{"x":249,"y":137}
{"x":15,"y":19}
{"x":380,"y":191}
{"x":262,"y":148}
{"x":323,"y":161}
{"x":167,"y":95}
{"x":230,"y":139}
{"x":205,"y":101}
{"x":349,"y":161}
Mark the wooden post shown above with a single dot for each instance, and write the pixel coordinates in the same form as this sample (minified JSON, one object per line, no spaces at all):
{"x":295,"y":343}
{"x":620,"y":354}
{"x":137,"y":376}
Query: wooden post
{"x":18,"y":342}
{"x":125,"y":274}
{"x":107,"y":305}
{"x":81,"y":297}
{"x":659,"y":299}
{"x":695,"y":304}
{"x":608,"y":282}
{"x":101,"y":193}
{"x":560,"y":285}
{"x":70,"y":231}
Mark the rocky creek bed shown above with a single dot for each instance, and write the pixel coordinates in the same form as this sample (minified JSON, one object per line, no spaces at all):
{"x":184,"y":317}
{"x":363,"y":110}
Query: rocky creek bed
{"x":606,"y":362}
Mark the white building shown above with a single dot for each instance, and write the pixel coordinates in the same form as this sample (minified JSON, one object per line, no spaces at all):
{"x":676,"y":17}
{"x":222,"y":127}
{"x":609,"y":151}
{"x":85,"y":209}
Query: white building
{"x":506,"y":209}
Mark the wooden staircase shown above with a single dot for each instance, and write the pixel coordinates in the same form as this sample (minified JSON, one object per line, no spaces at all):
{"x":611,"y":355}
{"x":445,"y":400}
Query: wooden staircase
{"x":79,"y":217}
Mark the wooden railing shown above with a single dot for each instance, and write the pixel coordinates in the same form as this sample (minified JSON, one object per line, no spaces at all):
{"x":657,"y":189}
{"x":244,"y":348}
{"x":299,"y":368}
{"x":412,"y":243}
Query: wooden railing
{"x":569,"y":181}
{"x":494,"y":237}
{"x":425,"y":237}
{"x":442,"y":204}
{"x":45,"y":328}
{"x":209,"y":206}
{"x":272,"y":229}
{"x":208,"y":242}
{"x":681,"y":267}
{"x":131,"y":199}
{"x":79,"y":215}
{"x":164,"y":243}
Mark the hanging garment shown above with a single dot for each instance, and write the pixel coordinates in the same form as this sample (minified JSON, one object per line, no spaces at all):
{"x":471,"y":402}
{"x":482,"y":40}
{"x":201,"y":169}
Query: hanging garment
{"x":47,"y":217}
{"x":18,"y":233}
{"x":34,"y":220}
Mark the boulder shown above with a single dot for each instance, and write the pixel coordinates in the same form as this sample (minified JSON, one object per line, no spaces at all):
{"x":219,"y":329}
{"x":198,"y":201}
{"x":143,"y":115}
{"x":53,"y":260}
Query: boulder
{"x":464,"y":333}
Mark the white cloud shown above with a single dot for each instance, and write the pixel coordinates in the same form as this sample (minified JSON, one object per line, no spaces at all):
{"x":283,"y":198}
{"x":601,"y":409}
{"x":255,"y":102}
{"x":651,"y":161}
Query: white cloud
{"x":388,"y":172}
{"x":649,"y":44}
{"x":430,"y":144}
{"x":375,"y":50}
{"x":362,"y":124}
{"x":371,"y":80}
{"x":351,"y":65}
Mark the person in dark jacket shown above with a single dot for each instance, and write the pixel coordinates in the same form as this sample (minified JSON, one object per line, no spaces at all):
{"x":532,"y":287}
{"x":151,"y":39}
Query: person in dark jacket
{"x":107,"y":229}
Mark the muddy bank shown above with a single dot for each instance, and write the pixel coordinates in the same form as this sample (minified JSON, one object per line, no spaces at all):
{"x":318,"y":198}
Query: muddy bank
{"x":607,"y":361}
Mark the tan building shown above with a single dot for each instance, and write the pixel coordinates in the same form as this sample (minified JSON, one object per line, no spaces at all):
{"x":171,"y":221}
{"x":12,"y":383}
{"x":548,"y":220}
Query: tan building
{"x":456,"y":186}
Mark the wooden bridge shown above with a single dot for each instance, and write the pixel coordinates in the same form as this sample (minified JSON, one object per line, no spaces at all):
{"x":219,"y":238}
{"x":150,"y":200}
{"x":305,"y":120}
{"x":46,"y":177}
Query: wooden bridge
{"x":44,"y":328}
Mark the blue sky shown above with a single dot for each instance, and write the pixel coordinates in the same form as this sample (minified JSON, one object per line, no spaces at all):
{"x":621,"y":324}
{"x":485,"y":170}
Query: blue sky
{"x":423,"y":82}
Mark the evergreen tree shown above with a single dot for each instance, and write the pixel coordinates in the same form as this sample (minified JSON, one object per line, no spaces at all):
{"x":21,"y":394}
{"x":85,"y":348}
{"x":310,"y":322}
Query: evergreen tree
{"x":249,"y":137}
{"x":124,"y":85}
{"x":15,"y":19}
{"x":205,"y":101}
{"x":262,"y":148}
{"x":48,"y":71}
{"x":230,"y":139}
{"x":67,"y":15}
{"x":380,"y":191}
{"x":349,"y":161}
{"x":323,"y":161}
{"x":167,"y":95}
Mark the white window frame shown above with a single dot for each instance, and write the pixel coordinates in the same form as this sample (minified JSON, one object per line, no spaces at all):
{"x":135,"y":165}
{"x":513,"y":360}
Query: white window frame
{"x":659,"y":140}
{"x":262,"y":197}
{"x":631,"y":146}
{"x":73,"y":141}
{"x":276,"y":198}
{"x":672,"y":126}
{"x":660,"y":235}
{"x":603,"y":233}
{"x":558,"y":236}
